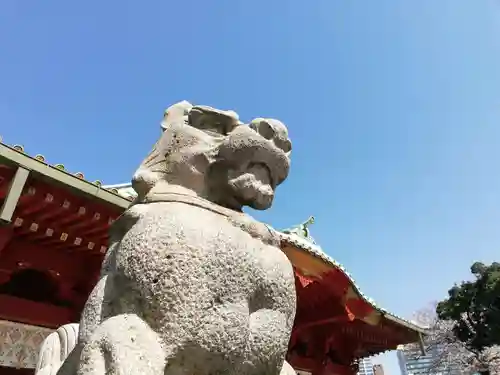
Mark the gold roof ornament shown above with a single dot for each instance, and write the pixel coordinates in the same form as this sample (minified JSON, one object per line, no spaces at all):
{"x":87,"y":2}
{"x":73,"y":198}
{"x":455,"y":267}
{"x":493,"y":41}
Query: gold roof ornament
{"x":302,"y":230}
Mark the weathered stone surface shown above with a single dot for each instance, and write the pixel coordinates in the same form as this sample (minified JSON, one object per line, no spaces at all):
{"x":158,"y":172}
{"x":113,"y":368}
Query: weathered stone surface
{"x":192,"y":285}
{"x":20,"y":344}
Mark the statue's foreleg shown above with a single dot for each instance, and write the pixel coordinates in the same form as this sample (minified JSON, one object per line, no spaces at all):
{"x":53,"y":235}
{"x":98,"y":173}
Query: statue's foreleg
{"x":267,"y":330}
{"x":122,"y":345}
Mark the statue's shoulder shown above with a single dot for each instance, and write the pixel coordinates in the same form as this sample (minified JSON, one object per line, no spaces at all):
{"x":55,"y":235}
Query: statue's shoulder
{"x":189,"y":211}
{"x":257,"y":229}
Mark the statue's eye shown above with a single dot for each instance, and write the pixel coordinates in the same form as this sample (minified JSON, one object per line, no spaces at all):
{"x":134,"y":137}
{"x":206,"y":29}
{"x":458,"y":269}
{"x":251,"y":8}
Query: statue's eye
{"x":266,"y":130}
{"x":286,"y":146}
{"x":283,"y":144}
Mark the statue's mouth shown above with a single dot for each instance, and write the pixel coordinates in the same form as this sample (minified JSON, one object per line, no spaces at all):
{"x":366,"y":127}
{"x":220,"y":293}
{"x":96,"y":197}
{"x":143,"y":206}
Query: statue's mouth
{"x":261,"y":155}
{"x":262,"y":172}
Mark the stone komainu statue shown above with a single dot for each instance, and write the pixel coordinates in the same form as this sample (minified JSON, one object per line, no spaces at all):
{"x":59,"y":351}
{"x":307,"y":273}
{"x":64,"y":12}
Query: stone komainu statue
{"x":191,"y":285}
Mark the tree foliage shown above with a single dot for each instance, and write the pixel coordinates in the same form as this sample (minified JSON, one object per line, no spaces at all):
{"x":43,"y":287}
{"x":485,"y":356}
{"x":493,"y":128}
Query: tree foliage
{"x":473,"y":308}
{"x":447,"y":354}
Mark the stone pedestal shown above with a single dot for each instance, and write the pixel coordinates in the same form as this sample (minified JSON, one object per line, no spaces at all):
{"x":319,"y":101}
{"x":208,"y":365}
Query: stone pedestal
{"x":20,"y":344}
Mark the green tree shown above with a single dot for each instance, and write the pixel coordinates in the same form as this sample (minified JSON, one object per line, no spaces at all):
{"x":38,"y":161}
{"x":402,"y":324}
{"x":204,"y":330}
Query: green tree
{"x":473,"y":307}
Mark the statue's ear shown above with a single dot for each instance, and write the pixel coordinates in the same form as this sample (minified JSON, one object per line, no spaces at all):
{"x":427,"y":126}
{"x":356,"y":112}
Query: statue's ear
{"x":175,"y":113}
{"x":207,"y":118}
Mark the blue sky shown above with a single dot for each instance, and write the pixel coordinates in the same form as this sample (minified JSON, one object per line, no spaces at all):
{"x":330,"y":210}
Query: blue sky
{"x":393,"y":108}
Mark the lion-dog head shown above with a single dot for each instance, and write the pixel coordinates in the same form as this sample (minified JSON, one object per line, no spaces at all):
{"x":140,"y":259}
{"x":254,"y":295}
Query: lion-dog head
{"x":210,"y":153}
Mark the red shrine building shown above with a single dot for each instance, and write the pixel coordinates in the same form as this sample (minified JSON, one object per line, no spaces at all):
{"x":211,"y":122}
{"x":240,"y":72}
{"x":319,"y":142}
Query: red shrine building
{"x":54,"y":234}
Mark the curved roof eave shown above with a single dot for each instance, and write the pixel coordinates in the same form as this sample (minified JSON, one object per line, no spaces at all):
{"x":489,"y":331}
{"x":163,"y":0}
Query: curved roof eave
{"x":318,"y":253}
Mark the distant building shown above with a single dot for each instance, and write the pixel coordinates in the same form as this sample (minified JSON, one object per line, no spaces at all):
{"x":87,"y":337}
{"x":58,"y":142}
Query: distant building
{"x":378,"y":369}
{"x":412,"y":362}
{"x":365,"y":367}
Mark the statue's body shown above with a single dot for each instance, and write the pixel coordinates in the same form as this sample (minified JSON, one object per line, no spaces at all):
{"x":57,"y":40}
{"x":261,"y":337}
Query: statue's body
{"x":190,"y":284}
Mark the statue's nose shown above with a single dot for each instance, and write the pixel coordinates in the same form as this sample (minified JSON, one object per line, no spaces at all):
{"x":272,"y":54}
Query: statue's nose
{"x":272,"y":131}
